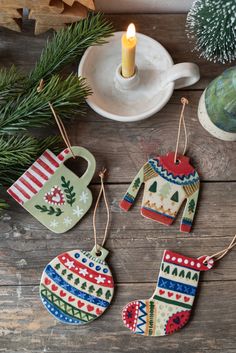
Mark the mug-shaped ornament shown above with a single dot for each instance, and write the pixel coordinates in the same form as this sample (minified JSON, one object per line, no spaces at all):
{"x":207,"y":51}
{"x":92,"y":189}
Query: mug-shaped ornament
{"x":77,"y":286}
{"x":52,"y":193}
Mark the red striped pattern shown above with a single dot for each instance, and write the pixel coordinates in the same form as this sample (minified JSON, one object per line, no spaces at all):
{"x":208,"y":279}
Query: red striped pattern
{"x":90,"y":276}
{"x":36,"y":176}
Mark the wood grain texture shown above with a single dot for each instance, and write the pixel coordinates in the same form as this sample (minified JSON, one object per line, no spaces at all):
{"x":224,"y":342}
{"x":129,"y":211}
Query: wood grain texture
{"x":26,"y":246}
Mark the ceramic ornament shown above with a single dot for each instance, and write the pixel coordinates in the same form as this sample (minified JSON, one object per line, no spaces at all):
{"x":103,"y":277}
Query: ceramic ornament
{"x":52,"y":193}
{"x":77,"y":286}
{"x":169,"y":308}
{"x":166,"y":186}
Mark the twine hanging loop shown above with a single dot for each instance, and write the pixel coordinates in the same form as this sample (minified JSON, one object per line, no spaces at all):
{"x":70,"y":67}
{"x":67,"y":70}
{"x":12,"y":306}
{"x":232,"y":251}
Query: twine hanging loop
{"x":184,"y":102}
{"x":101,"y":192}
{"x":220,"y":254}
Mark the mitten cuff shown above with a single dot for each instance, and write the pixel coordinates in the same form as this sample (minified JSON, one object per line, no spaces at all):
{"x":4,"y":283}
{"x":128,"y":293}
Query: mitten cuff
{"x":186,"y":225}
{"x":126,"y":203}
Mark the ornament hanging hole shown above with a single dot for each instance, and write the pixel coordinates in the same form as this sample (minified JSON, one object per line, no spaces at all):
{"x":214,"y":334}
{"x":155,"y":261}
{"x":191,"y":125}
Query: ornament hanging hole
{"x":177,"y":162}
{"x":98,"y":253}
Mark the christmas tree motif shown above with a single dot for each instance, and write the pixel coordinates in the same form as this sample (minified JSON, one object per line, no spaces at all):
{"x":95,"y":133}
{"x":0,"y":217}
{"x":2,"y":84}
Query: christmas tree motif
{"x":76,"y":282}
{"x":195,"y":277}
{"x":164,"y":191}
{"x":167,"y":269}
{"x":153,"y":187}
{"x":136,"y":184}
{"x":84,"y":285}
{"x":108,"y":294}
{"x":181,"y":274}
{"x":63,"y":272}
{"x":188,"y":275}
{"x":99,"y":292}
{"x":175,"y":197}
{"x":191,"y":206}
{"x":91,"y":289}
{"x":175,"y":272}
{"x":57,"y":267}
{"x":70,"y":276}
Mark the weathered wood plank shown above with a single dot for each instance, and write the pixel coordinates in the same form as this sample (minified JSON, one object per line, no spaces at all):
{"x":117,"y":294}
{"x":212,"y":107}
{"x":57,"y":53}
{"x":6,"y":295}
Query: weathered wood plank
{"x":27,"y":327}
{"x":23,"y":49}
{"x":136,"y":244}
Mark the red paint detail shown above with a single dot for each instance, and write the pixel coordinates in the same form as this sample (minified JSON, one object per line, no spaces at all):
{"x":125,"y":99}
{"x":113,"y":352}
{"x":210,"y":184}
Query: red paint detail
{"x":80,"y":303}
{"x":45,"y":166}
{"x":91,"y":272}
{"x":161,"y":218}
{"x":49,"y":197}
{"x":129,"y":315}
{"x":170,"y":294}
{"x":183,"y":168}
{"x":161,"y":291}
{"x":47,"y":281}
{"x":30,"y":187}
{"x":62,"y":293}
{"x":54,"y":287}
{"x":177,"y":321}
{"x":186,"y":299}
{"x":185,"y":228}
{"x":99,"y":311}
{"x":125,"y":205}
{"x":90,"y":307}
{"x":24,"y":193}
{"x":172,"y":254}
{"x":71,"y":299}
{"x":178,"y":296}
{"x":16,"y":197}
{"x":31,"y":177}
{"x":51,"y":159}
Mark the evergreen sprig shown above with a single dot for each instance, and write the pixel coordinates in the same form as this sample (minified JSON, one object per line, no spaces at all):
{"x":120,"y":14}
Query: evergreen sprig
{"x":69,"y":191}
{"x":11,"y":83}
{"x":50,"y":210}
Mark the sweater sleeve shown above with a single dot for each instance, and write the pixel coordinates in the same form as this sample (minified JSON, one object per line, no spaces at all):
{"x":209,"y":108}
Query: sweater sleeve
{"x":190,"y":208}
{"x":132,"y":191}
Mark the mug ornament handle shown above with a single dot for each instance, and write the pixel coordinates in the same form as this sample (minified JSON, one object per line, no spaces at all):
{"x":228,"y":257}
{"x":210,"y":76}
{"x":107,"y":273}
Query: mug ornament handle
{"x":84,"y":153}
{"x":183,"y":75}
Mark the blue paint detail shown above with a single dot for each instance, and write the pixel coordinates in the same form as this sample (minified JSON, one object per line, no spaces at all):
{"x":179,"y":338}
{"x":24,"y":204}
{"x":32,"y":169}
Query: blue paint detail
{"x":91,"y":264}
{"x":98,"y":268}
{"x":176,"y":286}
{"x":77,"y":255}
{"x":184,"y":180}
{"x":105,"y":270}
{"x":78,"y":293}
{"x":154,"y":211}
{"x":84,"y":260}
{"x":58,"y":314}
{"x":141,"y":317}
{"x":186,"y":221}
{"x":128,"y":199}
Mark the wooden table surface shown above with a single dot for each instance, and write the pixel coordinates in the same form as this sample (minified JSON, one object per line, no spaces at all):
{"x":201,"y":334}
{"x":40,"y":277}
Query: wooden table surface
{"x":135,"y":244}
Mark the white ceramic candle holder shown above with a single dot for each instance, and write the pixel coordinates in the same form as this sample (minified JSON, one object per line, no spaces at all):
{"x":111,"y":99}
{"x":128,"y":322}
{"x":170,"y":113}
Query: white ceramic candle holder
{"x":142,"y":95}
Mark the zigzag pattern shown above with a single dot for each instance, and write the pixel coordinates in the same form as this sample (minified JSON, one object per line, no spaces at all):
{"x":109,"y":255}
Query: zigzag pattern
{"x":184,"y":180}
{"x":65,"y":307}
{"x":142,"y":317}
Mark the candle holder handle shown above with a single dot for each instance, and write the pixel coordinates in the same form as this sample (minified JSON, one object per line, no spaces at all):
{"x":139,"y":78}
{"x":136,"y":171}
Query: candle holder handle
{"x":183,"y":75}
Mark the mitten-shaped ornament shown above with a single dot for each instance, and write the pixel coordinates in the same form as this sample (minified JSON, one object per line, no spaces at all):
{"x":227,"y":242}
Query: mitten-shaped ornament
{"x":166,"y":186}
{"x":169,"y":308}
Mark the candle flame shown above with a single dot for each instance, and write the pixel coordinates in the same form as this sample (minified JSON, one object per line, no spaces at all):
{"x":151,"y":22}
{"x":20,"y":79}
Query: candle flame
{"x":130,"y":31}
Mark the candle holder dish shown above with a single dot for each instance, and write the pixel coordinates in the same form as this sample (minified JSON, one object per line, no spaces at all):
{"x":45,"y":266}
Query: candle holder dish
{"x":142,"y":95}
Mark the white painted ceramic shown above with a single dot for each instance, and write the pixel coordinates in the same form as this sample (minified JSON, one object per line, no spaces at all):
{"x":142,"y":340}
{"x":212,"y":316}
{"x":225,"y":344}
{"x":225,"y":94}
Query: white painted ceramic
{"x":144,"y":94}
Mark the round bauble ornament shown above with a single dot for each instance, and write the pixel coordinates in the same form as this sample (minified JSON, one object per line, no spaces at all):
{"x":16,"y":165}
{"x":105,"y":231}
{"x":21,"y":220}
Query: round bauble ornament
{"x":217,"y":106}
{"x":77,"y":286}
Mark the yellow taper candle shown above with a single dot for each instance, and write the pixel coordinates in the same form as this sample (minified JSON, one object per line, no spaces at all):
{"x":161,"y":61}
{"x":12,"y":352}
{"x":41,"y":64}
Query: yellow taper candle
{"x":128,"y":42}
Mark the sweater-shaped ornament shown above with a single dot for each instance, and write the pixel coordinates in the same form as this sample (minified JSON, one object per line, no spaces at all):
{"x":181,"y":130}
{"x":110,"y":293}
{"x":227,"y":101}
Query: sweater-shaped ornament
{"x":166,"y":186}
{"x":77,"y":286}
{"x":52,"y":193}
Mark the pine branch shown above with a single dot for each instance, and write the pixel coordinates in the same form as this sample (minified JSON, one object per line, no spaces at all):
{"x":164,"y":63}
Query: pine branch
{"x":69,"y":45}
{"x":17,"y":153}
{"x":32,"y":110}
{"x":11,"y":83}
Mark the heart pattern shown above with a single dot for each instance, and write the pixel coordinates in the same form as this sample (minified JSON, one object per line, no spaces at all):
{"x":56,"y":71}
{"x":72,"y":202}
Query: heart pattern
{"x":90,"y":307}
{"x":186,"y":299}
{"x":55,"y":196}
{"x":178,"y":296}
{"x":62,"y":293}
{"x":71,"y":299}
{"x":170,"y":294}
{"x":161,"y":291}
{"x":47,"y":281}
{"x":99,"y":311}
{"x":54,"y":287}
{"x":80,"y":304}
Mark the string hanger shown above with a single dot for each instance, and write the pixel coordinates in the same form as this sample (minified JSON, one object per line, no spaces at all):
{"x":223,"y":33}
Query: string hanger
{"x":184,"y":102}
{"x":220,"y":254}
{"x":58,"y":120}
{"x":101,"y":192}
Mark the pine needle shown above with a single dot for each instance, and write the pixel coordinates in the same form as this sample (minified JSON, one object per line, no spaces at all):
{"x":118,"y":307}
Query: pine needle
{"x":11,"y":83}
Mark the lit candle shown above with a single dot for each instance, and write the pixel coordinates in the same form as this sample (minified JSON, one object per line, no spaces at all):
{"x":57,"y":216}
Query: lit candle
{"x":129,"y":42}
